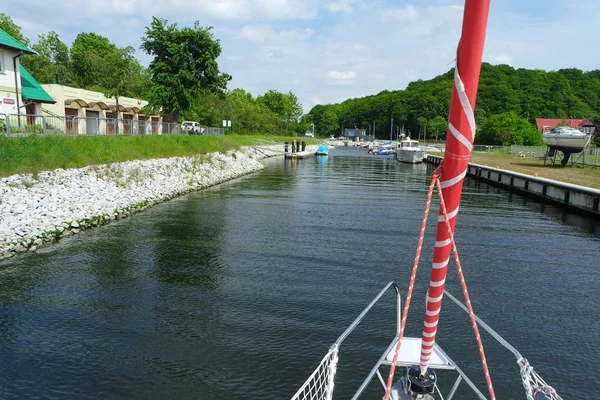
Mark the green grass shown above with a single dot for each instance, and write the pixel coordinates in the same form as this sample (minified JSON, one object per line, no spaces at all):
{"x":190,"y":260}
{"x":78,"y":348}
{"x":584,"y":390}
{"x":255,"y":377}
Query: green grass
{"x":36,"y":153}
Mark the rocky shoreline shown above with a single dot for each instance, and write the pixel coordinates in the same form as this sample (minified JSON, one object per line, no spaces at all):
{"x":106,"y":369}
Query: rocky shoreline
{"x":36,"y":210}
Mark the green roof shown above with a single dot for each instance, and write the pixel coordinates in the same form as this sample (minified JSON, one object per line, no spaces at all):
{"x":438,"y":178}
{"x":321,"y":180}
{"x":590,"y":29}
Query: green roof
{"x":31,"y":89}
{"x":8,"y":41}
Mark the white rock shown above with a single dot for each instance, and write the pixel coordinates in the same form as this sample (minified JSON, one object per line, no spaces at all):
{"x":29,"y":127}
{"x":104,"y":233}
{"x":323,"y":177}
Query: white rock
{"x":60,"y":197}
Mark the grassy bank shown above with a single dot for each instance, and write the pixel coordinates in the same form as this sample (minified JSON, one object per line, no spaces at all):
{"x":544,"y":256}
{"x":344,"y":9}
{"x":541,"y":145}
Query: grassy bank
{"x":38,"y":153}
{"x":588,"y":176}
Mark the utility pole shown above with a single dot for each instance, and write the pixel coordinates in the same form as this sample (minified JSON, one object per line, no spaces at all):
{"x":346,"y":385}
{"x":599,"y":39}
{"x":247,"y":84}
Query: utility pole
{"x":391,"y":128}
{"x":374,"y":136}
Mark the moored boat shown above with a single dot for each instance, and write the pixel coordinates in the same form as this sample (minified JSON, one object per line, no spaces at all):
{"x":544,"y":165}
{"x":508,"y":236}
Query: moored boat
{"x":409,"y":151}
{"x":322,"y":151}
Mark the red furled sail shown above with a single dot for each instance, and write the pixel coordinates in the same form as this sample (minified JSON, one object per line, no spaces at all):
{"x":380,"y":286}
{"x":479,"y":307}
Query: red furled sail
{"x":459,"y":143}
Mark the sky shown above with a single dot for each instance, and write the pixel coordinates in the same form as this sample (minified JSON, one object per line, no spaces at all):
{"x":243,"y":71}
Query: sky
{"x":326,"y":51}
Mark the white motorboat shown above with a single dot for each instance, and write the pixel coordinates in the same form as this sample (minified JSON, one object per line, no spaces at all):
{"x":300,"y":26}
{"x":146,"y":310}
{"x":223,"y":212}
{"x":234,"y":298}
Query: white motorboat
{"x":409,"y":151}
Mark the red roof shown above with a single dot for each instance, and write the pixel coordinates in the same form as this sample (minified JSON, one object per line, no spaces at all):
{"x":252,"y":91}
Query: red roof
{"x":550,"y":123}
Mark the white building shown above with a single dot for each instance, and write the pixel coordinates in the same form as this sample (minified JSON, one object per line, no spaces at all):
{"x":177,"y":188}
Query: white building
{"x":20,"y":93}
{"x":63,"y":109}
{"x":91,"y":112}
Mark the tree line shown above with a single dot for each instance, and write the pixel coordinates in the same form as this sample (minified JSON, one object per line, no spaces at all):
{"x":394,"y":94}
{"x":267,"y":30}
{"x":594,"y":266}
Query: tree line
{"x":183,"y":80}
{"x":508,"y":102}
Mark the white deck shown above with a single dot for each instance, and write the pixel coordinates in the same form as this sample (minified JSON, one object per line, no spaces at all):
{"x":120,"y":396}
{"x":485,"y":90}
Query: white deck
{"x":410,"y":355}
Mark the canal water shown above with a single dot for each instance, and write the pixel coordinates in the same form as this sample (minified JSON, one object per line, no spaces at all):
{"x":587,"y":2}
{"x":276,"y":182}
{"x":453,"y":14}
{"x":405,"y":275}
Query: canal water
{"x":238,"y":291}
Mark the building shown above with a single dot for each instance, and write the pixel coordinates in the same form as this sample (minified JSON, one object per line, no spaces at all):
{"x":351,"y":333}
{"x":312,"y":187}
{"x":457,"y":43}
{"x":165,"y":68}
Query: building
{"x":20,"y":93}
{"x":62,"y":109}
{"x":547,"y":124}
{"x":358,"y":135}
{"x":90,"y":112}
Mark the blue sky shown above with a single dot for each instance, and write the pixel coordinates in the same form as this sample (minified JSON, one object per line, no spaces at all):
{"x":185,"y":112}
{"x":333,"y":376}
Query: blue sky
{"x":326,"y":51}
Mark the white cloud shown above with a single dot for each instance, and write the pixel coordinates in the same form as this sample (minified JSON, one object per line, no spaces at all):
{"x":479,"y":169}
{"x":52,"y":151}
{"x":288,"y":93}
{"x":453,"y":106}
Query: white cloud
{"x":266,"y":34}
{"x":406,"y":13}
{"x":499,"y":59}
{"x":340,"y":6}
{"x":342,"y":75}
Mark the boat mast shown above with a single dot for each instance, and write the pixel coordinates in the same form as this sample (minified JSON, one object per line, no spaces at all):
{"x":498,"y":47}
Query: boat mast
{"x":459,"y":143}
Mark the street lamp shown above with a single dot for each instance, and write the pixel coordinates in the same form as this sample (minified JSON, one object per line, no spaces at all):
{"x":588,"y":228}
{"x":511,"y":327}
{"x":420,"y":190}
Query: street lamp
{"x":313,"y":128}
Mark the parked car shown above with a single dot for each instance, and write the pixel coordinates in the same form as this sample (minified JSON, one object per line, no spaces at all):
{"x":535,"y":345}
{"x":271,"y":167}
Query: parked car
{"x":191,"y":127}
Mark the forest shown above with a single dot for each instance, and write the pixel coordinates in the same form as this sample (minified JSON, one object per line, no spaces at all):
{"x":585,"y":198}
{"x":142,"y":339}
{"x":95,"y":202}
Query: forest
{"x":508,"y":102}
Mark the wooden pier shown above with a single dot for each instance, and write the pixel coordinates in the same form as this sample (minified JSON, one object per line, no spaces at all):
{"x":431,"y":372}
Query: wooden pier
{"x":299,"y":155}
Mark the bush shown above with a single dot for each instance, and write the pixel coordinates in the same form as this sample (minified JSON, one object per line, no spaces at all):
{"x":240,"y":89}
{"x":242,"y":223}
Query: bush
{"x":506,"y":129}
{"x":35,"y":129}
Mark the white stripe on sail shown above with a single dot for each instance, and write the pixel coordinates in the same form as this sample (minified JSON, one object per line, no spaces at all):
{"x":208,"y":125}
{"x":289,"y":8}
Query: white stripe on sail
{"x":464,"y":100}
{"x":442,"y":243}
{"x":460,"y":137}
{"x":451,"y":214}
{"x":435,"y":299}
{"x":431,"y":324}
{"x":432,"y":313}
{"x":438,"y":283}
{"x":453,"y":181}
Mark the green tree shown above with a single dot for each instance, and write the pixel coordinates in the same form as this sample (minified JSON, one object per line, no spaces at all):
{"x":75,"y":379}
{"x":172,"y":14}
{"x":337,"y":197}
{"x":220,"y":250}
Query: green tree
{"x":422,"y":121}
{"x":506,"y":129}
{"x":51,"y":65}
{"x":91,"y":55}
{"x":285,"y":105}
{"x":119,"y":77}
{"x":437,"y":127}
{"x":327,"y":124}
{"x":14,"y":30}
{"x":184,"y":65}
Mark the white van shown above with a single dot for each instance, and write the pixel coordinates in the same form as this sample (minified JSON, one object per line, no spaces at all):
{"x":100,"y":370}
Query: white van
{"x":191,"y":127}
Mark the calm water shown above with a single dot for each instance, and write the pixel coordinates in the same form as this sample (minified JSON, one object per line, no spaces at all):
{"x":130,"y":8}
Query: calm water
{"x":238,"y":291}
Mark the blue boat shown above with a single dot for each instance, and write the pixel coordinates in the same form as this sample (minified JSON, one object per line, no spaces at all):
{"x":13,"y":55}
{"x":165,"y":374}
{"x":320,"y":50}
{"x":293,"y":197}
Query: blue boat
{"x":322,"y":151}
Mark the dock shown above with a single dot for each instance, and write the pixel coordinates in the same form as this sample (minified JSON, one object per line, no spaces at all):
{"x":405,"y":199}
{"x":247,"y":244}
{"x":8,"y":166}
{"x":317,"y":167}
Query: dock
{"x":578,"y":198}
{"x":299,"y":155}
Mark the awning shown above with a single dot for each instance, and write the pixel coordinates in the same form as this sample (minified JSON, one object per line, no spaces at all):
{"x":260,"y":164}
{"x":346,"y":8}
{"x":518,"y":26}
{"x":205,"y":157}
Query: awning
{"x":79,"y":102}
{"x":101,"y":105}
{"x":135,"y":110}
{"x":31,"y":89}
{"x":121,"y":107}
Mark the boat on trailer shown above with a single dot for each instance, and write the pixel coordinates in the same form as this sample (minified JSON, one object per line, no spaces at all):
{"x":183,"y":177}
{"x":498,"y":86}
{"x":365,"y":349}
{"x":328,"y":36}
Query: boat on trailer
{"x":420,"y":360}
{"x":567,"y":140}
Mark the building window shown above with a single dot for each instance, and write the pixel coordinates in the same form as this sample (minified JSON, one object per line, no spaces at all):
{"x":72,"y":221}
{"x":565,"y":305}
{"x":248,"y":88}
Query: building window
{"x":1,"y":62}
